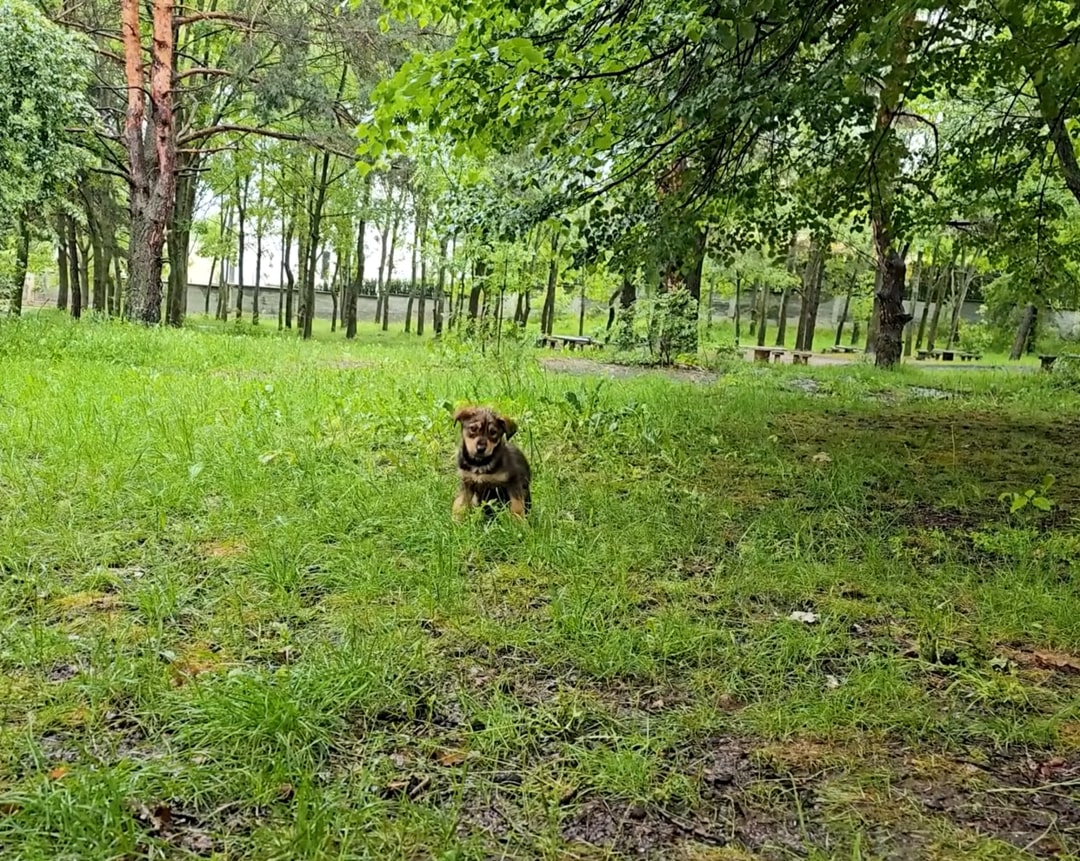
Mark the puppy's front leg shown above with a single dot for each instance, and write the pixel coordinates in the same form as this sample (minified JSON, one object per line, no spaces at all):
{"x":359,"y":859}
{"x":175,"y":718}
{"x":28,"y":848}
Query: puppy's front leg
{"x":463,"y":502}
{"x":517,"y":503}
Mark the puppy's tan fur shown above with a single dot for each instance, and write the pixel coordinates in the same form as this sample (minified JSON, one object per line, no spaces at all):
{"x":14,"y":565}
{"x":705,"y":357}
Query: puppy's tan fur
{"x":491,"y":468}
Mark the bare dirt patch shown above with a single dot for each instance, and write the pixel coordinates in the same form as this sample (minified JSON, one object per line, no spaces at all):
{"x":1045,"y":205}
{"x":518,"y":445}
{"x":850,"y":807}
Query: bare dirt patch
{"x":589,"y":367}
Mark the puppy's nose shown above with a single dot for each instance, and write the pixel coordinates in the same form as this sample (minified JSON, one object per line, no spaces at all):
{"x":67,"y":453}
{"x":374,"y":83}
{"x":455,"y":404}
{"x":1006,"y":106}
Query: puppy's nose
{"x":480,"y":447}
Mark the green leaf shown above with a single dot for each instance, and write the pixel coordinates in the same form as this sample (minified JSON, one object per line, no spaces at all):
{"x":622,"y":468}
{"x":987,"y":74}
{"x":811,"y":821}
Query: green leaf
{"x":1042,"y":503}
{"x":1018,"y":503}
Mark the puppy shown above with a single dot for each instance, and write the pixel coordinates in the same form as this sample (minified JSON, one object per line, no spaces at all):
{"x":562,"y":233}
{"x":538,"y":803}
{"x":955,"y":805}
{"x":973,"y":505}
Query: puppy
{"x":492,"y":470}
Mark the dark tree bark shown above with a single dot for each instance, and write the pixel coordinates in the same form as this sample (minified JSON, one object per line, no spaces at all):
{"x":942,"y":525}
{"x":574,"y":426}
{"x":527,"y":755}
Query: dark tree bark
{"x":352,"y":295}
{"x":62,"y":262}
{"x":437,"y":310}
{"x":847,"y":307}
{"x":1024,"y":331}
{"x":179,"y":242}
{"x":547,"y":313}
{"x":762,"y":314}
{"x":812,"y":281}
{"x":73,"y":269}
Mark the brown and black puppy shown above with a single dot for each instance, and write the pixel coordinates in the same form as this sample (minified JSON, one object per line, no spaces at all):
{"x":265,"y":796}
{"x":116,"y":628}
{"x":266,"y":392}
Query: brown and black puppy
{"x":492,"y":470}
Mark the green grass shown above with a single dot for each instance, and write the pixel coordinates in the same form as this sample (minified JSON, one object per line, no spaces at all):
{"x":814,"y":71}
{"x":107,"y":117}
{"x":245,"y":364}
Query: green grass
{"x":236,"y":620}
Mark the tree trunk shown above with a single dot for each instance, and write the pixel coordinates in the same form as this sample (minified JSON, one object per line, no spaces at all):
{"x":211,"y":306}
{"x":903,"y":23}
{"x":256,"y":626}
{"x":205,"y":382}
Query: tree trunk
{"x":547,"y":314}
{"x":1024,"y":332}
{"x":781,"y":317}
{"x":440,"y":283}
{"x":62,"y":262}
{"x":151,"y":188}
{"x":847,"y":306}
{"x":916,"y":284}
{"x":813,"y":278}
{"x":738,"y":309}
{"x":209,"y":286}
{"x":22,"y":260}
{"x":478,"y":285}
{"x":421,"y":299}
{"x":966,"y":277}
{"x":931,"y":290}
{"x":73,"y":269}
{"x":258,"y":273}
{"x":380,"y":283}
{"x":890,"y":318}
{"x":241,"y":242}
{"x":939,"y":302}
{"x":697,"y":265}
{"x":290,"y":279}
{"x":314,"y":237}
{"x":762,"y":314}
{"x":352,"y":296}
{"x":581,"y":310}
{"x":179,"y":242}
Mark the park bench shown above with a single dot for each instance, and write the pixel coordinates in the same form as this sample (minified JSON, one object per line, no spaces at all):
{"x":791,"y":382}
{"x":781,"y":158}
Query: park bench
{"x":1047,"y":362}
{"x":801,"y":357}
{"x":840,"y":348}
{"x":765,"y":354}
{"x":570,"y":342}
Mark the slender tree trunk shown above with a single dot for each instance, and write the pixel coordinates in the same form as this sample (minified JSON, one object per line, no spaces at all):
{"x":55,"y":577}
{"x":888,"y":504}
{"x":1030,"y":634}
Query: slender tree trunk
{"x":22,"y":260}
{"x":440,"y":282}
{"x":931,"y":290}
{"x":179,"y":241}
{"x":966,"y":277}
{"x":209,"y":286}
{"x":1024,"y":331}
{"x":241,"y":242}
{"x":581,"y":310}
{"x":290,"y":279}
{"x":73,"y":269}
{"x":352,"y":298}
{"x":847,"y":306}
{"x":939,"y":302}
{"x":380,"y":283}
{"x":738,"y":308}
{"x":762,"y":314}
{"x":755,"y":306}
{"x":62,"y":262}
{"x":547,"y":314}
{"x":814,"y":276}
{"x":257,"y":287}
{"x":421,"y":299}
{"x":781,"y":317}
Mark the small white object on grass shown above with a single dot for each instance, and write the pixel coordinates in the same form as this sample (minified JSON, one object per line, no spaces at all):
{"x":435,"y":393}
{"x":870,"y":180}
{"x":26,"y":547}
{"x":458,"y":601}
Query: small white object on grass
{"x":803,"y":616}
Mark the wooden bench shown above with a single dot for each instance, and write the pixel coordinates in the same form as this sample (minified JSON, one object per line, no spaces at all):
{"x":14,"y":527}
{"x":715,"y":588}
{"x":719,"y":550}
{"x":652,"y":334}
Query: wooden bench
{"x":969,"y":357}
{"x":922,"y":355}
{"x":570,"y":342}
{"x":840,"y":348}
{"x":801,"y":357}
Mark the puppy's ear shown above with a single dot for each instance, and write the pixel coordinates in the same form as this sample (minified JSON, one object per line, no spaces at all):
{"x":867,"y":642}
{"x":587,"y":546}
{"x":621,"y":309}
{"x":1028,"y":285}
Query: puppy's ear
{"x":464,"y":414}
{"x":509,"y":426}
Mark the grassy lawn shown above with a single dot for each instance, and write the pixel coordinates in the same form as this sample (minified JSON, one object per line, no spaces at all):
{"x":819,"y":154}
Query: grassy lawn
{"x":236,"y":620}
